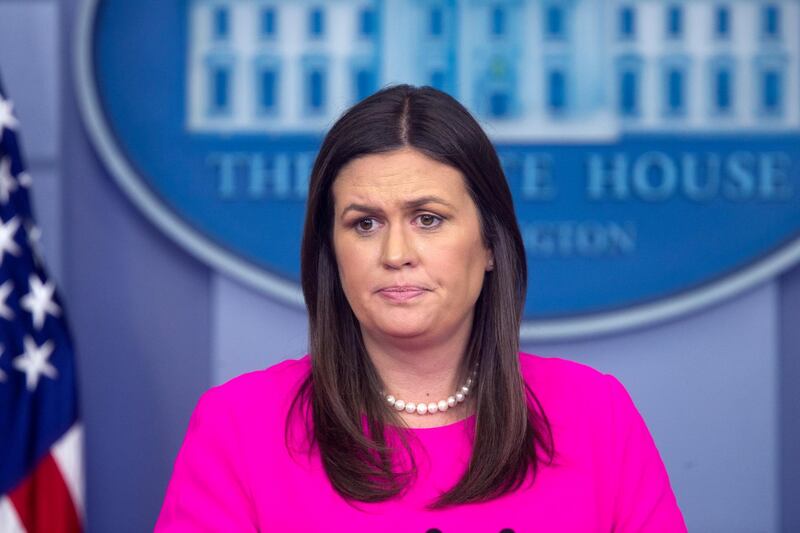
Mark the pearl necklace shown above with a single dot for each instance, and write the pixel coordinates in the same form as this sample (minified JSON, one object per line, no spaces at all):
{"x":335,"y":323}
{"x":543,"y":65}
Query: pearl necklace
{"x":433,"y":407}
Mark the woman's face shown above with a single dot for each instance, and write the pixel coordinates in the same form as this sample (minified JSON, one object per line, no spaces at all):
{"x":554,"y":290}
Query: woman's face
{"x":408,"y":244}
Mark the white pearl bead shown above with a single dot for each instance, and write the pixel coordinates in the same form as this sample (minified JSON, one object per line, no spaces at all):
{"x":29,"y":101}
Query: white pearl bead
{"x":434,"y":407}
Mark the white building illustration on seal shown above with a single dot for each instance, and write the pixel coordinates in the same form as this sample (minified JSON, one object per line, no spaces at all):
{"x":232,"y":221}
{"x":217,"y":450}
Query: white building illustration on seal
{"x":529,"y":70}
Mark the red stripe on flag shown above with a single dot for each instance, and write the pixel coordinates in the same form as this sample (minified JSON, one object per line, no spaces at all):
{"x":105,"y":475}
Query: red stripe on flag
{"x":43,"y":502}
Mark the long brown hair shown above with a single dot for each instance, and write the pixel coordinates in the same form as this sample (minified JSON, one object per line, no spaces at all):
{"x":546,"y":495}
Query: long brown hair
{"x":343,"y":386}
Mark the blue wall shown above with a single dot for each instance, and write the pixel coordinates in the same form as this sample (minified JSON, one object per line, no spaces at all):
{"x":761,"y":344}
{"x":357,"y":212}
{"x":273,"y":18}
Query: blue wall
{"x":154,"y":328}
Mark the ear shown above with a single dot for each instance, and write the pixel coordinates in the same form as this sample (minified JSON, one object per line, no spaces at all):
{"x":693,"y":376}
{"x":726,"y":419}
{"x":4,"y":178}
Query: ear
{"x":489,"y":260}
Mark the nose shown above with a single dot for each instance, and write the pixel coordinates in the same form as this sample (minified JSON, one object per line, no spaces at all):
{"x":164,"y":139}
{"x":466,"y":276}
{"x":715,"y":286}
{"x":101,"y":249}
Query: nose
{"x":398,"y":248}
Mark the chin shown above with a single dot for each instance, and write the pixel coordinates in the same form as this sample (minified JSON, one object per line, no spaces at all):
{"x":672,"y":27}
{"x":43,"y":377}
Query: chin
{"x":404,"y":329}
{"x":403,"y":332}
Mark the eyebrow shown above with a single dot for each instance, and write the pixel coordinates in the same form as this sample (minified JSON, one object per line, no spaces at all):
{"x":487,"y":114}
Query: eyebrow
{"x":409,"y":205}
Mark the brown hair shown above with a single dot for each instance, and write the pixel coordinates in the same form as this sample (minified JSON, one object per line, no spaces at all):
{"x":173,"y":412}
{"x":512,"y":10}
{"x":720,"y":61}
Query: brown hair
{"x":344,"y":386}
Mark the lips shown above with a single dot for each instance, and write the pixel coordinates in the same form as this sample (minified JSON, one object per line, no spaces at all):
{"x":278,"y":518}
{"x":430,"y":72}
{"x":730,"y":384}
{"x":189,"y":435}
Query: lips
{"x":402,"y":293}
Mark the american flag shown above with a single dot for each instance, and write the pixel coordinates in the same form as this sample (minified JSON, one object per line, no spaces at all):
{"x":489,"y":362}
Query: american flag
{"x":41,"y":451}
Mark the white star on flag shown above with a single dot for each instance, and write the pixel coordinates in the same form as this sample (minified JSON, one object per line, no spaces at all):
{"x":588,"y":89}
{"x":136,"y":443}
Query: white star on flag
{"x":39,"y":301}
{"x":34,"y":362}
{"x":6,"y":289}
{"x":7,"y":182}
{"x":7,"y":118}
{"x":34,"y":234}
{"x":7,"y":243}
{"x":2,"y":374}
{"x":34,"y":237}
{"x":25,"y":179}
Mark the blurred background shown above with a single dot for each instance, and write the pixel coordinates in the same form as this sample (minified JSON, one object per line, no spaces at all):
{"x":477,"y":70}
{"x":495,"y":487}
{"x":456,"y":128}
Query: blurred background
{"x":171,"y":212}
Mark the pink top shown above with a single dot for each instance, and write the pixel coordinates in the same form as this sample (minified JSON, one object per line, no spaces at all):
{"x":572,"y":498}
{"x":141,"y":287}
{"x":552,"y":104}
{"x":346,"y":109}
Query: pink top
{"x":234,"y":473}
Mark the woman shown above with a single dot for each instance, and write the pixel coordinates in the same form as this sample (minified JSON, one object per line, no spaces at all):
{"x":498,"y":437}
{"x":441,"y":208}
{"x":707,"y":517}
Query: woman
{"x":414,"y":410}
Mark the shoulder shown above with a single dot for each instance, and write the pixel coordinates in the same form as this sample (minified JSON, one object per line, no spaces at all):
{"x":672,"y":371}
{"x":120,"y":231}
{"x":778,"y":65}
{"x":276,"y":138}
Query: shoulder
{"x":597,"y":426}
{"x":259,"y":393}
{"x":233,"y":439}
{"x":277,"y":378}
{"x":562,"y":385}
{"x":555,"y":372}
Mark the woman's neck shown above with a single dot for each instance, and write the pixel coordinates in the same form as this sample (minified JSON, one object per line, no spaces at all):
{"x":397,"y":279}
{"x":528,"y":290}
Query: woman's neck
{"x":417,"y":372}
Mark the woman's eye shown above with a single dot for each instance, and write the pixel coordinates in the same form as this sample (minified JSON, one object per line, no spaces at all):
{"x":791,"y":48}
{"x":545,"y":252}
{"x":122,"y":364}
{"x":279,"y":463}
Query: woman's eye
{"x":365,"y":224}
{"x":429,"y":221}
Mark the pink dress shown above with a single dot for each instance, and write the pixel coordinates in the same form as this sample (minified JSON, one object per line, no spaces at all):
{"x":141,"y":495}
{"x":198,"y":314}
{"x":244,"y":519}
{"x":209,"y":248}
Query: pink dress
{"x":234,"y":473}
